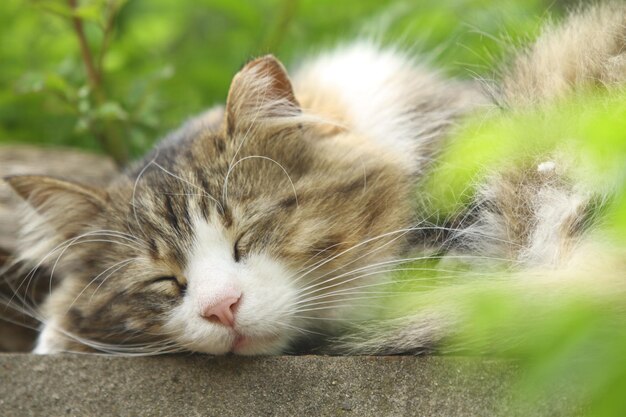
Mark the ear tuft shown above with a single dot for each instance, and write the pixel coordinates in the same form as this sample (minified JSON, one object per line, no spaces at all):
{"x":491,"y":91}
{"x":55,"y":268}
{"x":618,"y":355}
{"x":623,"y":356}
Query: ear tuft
{"x":259,"y":92}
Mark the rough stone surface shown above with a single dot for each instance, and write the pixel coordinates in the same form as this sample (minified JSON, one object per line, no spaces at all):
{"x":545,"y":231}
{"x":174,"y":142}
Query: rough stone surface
{"x":196,"y":385}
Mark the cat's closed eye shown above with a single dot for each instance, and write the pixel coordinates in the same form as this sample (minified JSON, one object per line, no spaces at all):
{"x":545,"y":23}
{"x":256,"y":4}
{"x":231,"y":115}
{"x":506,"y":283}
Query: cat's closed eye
{"x":170,"y":279}
{"x":239,"y":251}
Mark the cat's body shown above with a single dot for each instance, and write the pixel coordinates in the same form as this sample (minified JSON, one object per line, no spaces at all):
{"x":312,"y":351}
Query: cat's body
{"x":244,"y":231}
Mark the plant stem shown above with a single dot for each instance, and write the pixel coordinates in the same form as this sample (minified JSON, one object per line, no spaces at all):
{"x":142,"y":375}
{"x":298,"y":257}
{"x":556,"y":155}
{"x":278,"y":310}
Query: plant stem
{"x":278,"y":32}
{"x":110,"y":138}
{"x":111,"y":13}
{"x":92,"y":73}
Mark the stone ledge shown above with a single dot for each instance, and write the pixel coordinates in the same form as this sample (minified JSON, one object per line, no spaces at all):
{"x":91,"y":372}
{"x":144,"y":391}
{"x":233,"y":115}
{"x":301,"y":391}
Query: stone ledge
{"x":81,"y":385}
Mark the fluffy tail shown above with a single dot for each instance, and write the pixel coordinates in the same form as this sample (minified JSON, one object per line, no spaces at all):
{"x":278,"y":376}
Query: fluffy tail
{"x":534,"y":200}
{"x":589,"y":49}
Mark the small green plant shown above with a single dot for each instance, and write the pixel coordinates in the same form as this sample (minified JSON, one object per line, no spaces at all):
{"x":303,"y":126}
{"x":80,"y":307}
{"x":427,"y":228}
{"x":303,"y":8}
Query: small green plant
{"x":89,"y":97}
{"x":115,"y":75}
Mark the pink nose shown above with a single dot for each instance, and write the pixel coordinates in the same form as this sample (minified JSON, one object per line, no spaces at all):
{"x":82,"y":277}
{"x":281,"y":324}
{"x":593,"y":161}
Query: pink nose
{"x":222,"y":311}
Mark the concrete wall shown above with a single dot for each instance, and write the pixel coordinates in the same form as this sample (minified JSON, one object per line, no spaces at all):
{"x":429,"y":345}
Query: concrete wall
{"x":196,"y":385}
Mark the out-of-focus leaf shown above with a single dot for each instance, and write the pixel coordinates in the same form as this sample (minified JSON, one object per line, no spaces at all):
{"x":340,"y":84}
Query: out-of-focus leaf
{"x":111,"y":110}
{"x":84,"y":91}
{"x":34,"y":82}
{"x":84,"y":106}
{"x":30,"y":82}
{"x":55,"y":82}
{"x":54,"y":6}
{"x":90,"y":12}
{"x":82,"y":125}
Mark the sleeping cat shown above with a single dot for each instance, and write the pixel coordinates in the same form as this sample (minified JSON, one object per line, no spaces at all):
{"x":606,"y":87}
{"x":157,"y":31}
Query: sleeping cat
{"x":241,"y":231}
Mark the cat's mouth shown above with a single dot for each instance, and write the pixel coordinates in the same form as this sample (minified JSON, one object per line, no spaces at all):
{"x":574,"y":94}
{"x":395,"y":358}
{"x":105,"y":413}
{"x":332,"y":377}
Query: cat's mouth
{"x":239,"y":342}
{"x":251,"y":345}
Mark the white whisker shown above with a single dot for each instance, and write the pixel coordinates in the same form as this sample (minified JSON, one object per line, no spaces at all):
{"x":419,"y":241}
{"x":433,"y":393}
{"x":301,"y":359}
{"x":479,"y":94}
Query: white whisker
{"x":225,"y":190}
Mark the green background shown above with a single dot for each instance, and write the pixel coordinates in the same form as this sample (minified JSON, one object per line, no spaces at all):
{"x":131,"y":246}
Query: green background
{"x":168,"y":60}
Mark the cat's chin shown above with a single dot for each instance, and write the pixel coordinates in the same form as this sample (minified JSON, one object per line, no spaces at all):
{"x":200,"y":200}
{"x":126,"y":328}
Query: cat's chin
{"x":248,"y":346}
{"x":259,"y":345}
{"x":238,"y":343}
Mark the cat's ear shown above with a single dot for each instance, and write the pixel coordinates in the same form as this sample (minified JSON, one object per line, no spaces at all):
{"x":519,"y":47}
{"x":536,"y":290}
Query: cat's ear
{"x":260,"y":93}
{"x":64,"y":203}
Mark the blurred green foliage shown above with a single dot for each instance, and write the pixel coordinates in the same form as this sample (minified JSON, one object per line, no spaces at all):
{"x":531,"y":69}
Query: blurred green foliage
{"x":163,"y":61}
{"x":567,"y":329}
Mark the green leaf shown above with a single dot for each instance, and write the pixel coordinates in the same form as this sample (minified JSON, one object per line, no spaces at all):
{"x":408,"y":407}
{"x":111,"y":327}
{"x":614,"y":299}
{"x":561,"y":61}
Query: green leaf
{"x":30,"y":82}
{"x":55,"y":7}
{"x":111,"y":110}
{"x":90,"y":12}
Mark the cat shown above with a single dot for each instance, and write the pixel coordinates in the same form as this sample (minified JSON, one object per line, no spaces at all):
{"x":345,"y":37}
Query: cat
{"x":243,"y":231}
{"x":209,"y":242}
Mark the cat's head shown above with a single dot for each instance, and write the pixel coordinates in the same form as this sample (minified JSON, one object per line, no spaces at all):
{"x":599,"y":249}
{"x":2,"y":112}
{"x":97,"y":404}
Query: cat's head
{"x":242,"y":236}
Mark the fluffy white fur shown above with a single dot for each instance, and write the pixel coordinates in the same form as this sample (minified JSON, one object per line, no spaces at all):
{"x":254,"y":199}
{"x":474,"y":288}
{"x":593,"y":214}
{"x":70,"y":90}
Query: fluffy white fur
{"x":588,"y":50}
{"x":47,"y":342}
{"x":262,"y":313}
{"x":386,"y":96}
